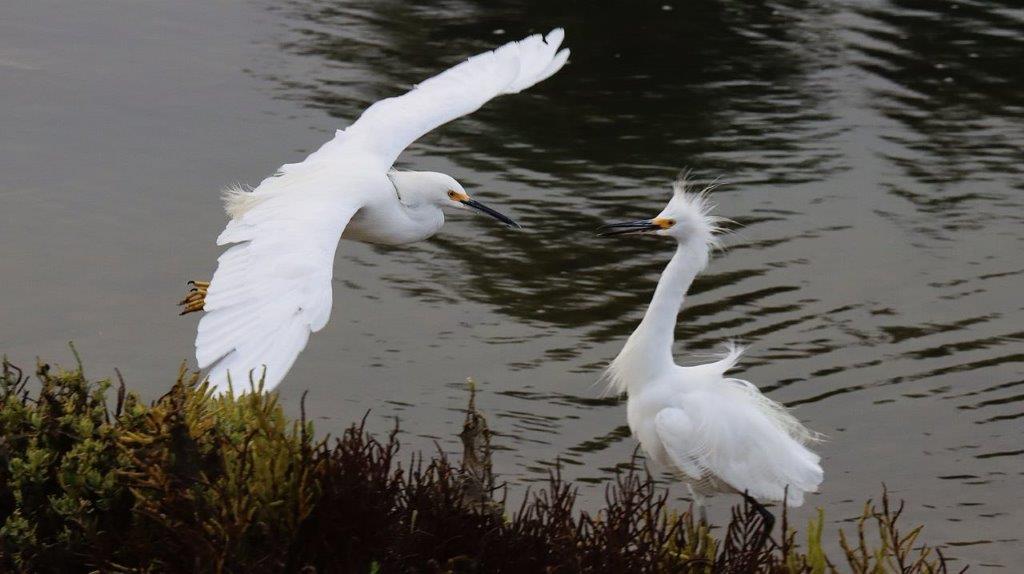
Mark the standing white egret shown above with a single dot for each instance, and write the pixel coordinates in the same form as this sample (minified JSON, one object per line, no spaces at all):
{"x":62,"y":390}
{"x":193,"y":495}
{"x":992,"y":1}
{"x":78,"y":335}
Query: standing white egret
{"x":721,"y":433}
{"x":273,"y":287}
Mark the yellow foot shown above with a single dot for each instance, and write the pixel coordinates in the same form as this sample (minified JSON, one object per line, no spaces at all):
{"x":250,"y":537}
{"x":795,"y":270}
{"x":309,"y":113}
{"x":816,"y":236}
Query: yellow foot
{"x":196,"y":298}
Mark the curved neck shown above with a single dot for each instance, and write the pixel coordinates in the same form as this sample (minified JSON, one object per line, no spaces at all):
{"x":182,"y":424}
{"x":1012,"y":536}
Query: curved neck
{"x":415,"y":189}
{"x":421,"y":217}
{"x":649,"y":349}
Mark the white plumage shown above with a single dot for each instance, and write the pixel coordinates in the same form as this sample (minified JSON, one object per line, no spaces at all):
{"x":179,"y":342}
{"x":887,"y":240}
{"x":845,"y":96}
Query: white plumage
{"x":720,"y":433}
{"x":272,"y":288}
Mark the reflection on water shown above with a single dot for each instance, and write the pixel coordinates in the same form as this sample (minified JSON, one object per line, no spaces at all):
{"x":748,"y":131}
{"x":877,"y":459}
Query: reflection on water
{"x":868,"y":153}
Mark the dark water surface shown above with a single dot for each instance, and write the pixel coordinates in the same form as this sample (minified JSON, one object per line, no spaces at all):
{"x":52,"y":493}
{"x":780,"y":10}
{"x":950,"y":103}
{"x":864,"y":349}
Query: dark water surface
{"x":870,"y":153}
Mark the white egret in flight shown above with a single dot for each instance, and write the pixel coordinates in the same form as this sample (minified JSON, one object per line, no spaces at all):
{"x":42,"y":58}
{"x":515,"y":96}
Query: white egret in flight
{"x":719,"y":432}
{"x":272,"y":288}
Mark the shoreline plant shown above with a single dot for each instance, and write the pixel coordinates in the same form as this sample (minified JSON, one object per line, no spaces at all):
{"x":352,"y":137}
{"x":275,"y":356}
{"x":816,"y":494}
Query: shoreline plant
{"x":201,"y":483}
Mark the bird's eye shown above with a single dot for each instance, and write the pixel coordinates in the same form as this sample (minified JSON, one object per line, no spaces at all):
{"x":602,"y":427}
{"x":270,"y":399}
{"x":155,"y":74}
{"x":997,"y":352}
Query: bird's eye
{"x":670,"y":222}
{"x":451,"y":194}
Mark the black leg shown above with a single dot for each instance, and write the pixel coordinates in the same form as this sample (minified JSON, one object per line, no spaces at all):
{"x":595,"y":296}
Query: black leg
{"x":766,"y":517}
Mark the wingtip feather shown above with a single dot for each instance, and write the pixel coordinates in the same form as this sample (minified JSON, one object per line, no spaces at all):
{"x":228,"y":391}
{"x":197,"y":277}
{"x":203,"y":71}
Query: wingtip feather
{"x":560,"y":59}
{"x":555,"y":37}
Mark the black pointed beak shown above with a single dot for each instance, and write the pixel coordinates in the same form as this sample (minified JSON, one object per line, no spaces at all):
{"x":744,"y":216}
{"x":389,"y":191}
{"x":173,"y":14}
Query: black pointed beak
{"x":623,"y":228}
{"x":488,"y":211}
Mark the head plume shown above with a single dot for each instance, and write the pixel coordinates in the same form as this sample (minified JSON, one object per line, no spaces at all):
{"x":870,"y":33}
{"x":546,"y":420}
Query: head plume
{"x":692,"y":208}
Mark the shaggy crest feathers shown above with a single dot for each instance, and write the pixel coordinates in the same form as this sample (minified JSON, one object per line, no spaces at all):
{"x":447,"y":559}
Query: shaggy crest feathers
{"x":697,"y":206}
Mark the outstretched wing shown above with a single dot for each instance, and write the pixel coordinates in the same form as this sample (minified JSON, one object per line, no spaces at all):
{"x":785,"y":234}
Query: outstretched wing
{"x":272,"y":288}
{"x":389,"y":126}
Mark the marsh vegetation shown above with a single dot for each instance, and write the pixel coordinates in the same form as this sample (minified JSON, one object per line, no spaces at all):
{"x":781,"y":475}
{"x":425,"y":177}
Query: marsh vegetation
{"x":93,"y":479}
